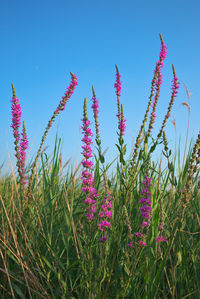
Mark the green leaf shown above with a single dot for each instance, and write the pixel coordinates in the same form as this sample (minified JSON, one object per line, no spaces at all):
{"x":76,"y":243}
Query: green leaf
{"x":124,"y":149}
{"x":152,"y":148}
{"x":179,"y":256}
{"x":119,"y":149}
{"x":98,"y":141}
{"x":18,"y":291}
{"x":164,"y":154}
{"x":171,"y":167}
{"x":122,"y":159}
{"x":121,"y":141}
{"x":101,"y":158}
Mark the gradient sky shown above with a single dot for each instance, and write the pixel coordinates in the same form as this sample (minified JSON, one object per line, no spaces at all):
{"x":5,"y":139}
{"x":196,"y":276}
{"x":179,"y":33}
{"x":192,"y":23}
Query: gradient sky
{"x":42,"y":41}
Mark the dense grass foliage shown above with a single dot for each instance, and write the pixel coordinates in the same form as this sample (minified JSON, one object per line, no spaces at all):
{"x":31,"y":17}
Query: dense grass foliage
{"x":138,"y":238}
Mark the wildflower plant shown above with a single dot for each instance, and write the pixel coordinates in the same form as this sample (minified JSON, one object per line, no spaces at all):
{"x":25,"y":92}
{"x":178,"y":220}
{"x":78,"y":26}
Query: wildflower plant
{"x":60,"y":107}
{"x":21,"y":144}
{"x":87,"y":177}
{"x":120,"y":116}
{"x":105,"y":211}
{"x":156,"y":81}
{"x":138,"y":238}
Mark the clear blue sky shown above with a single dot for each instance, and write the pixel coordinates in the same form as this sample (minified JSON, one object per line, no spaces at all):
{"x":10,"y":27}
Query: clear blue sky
{"x":42,"y":41}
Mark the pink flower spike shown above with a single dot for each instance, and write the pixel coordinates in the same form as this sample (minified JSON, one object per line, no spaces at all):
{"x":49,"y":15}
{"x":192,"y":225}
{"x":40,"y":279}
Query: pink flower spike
{"x":142,"y":243}
{"x":160,"y":239}
{"x":103,"y":239}
{"x":144,"y":224}
{"x":130,"y":244}
{"x":117,"y":85}
{"x":87,"y":178}
{"x":67,"y":96}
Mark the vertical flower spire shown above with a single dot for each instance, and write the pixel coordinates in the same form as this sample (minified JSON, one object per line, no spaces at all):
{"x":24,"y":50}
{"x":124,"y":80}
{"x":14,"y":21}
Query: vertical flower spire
{"x":145,"y":209}
{"x":122,"y":125}
{"x":146,"y":201}
{"x":68,"y":94}
{"x":158,"y":82}
{"x":117,"y":85}
{"x":87,"y":178}
{"x":121,"y":120}
{"x":15,"y":125}
{"x":105,"y":214}
{"x":175,"y":87}
{"x":95,"y":107}
{"x":154,"y":83}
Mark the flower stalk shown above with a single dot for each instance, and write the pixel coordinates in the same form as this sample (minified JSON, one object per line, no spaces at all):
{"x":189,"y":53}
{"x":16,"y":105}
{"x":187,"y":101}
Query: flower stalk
{"x":120,"y":116}
{"x":155,"y":82}
{"x":60,"y":108}
{"x":87,"y":178}
{"x":105,"y":214}
{"x":21,"y":144}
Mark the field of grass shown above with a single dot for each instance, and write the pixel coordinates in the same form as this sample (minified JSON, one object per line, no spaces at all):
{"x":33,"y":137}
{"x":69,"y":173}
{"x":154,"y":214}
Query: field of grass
{"x":83,"y":234}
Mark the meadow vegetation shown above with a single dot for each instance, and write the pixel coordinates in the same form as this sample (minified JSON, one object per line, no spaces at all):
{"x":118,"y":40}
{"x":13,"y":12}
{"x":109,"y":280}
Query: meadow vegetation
{"x":83,"y":234}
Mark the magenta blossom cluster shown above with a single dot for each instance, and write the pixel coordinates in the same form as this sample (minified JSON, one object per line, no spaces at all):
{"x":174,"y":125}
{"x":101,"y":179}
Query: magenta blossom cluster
{"x":105,"y":215}
{"x":65,"y":98}
{"x":158,"y":78}
{"x":95,"y":107}
{"x":160,"y":238}
{"x":122,"y":126}
{"x":20,"y":149}
{"x":120,"y":116}
{"x":16,"y":117}
{"x":146,"y":201}
{"x":87,"y":178}
{"x":117,"y":85}
{"x":140,"y":242}
{"x":175,"y":86}
{"x":118,"y":88}
{"x":145,"y":210}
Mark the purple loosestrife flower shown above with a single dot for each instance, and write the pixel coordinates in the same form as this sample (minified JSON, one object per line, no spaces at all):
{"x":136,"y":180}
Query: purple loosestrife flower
{"x":16,"y":117}
{"x":95,"y":107}
{"x":66,"y":97}
{"x":175,"y":86}
{"x":117,"y":85}
{"x":160,"y":239}
{"x":146,"y":201}
{"x":146,"y":206}
{"x":122,"y":125}
{"x":130,"y":244}
{"x":87,"y":178}
{"x":105,"y":214}
{"x":142,"y":243}
{"x":16,"y":122}
{"x":158,"y":82}
{"x":23,"y":147}
{"x":60,"y":107}
{"x":159,"y":64}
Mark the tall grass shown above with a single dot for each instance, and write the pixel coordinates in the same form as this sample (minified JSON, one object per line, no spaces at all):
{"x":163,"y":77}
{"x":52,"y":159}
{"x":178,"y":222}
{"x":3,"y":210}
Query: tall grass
{"x":86,"y":235}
